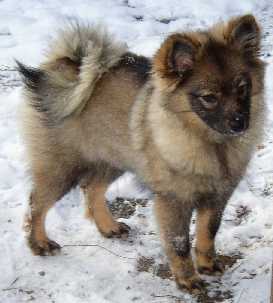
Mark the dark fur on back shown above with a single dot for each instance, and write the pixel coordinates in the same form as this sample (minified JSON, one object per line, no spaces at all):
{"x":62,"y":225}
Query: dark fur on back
{"x":35,"y":82}
{"x":139,"y":65}
{"x":32,"y":77}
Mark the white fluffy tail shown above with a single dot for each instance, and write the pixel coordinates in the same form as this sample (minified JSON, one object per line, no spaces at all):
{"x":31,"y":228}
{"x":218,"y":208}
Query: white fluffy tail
{"x":58,"y":90}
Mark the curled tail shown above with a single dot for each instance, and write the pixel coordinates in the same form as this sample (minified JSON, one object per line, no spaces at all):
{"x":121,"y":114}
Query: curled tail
{"x":77,"y":58}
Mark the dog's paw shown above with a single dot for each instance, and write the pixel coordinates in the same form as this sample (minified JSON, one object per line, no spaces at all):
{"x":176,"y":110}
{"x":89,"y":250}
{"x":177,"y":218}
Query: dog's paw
{"x":44,"y":248}
{"x":216,"y":269}
{"x":193,"y":285}
{"x":119,"y":230}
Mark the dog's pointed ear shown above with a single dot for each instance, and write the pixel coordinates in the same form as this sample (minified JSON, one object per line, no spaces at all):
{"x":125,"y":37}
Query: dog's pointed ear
{"x":244,"y":34}
{"x":181,"y":57}
{"x":176,"y":57}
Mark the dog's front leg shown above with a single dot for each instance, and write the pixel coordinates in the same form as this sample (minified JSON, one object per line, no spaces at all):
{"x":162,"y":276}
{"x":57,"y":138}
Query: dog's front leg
{"x":174,"y":219}
{"x":208,"y":221}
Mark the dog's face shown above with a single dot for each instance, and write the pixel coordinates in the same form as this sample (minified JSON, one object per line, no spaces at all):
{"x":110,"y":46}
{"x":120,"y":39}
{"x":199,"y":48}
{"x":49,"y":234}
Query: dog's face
{"x":213,"y":75}
{"x":220,"y":92}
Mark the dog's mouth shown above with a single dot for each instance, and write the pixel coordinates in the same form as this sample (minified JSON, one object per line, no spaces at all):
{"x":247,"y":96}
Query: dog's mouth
{"x":229,"y":129}
{"x":232,"y":133}
{"x":234,"y":124}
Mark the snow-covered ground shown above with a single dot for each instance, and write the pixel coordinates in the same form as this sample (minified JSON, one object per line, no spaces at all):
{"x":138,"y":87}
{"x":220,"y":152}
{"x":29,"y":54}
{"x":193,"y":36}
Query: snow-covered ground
{"x":116,"y":270}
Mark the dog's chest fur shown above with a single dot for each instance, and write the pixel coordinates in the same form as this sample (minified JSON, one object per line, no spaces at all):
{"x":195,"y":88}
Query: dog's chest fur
{"x":180,"y":162}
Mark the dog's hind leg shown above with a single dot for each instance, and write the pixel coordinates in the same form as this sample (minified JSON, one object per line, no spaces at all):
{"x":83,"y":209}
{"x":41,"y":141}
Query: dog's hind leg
{"x":51,"y":183}
{"x":97,"y":209}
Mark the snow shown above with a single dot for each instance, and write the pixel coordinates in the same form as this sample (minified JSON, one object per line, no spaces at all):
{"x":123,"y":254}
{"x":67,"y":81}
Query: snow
{"x":108,"y":270}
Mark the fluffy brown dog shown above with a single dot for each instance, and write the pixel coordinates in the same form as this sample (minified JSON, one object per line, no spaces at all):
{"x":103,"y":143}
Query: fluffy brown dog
{"x":186,"y":123}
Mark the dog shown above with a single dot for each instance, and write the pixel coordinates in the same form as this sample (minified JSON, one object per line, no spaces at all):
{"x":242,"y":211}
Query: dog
{"x":186,"y":122}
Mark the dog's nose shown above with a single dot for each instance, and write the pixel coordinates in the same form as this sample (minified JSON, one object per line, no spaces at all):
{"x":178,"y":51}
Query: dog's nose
{"x":238,"y":123}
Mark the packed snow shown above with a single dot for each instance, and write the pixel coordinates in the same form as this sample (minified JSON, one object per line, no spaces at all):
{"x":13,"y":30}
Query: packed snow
{"x":132,"y":270}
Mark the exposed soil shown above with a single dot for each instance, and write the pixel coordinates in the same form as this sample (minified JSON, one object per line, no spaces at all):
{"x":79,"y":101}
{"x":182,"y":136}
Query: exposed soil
{"x":213,"y":293}
{"x":122,"y":208}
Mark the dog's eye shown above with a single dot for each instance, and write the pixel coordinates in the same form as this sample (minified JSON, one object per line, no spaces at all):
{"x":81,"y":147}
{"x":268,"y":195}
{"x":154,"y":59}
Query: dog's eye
{"x":209,"y":101}
{"x":242,"y":88}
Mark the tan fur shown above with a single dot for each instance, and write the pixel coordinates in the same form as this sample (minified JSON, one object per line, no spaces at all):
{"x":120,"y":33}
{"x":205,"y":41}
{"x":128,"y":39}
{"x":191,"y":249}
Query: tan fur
{"x":94,"y":50}
{"x":181,"y":264}
{"x":97,"y":209}
{"x":204,"y":241}
{"x":106,"y":111}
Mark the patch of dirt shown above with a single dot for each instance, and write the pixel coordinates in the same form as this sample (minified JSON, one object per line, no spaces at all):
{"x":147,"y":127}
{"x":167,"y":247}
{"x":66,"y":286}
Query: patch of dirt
{"x":215,"y":291}
{"x":166,"y":20}
{"x":123,"y":208}
{"x":161,"y":270}
{"x":138,"y":18}
{"x":219,"y":295}
{"x":242,"y":213}
{"x":267,"y":190}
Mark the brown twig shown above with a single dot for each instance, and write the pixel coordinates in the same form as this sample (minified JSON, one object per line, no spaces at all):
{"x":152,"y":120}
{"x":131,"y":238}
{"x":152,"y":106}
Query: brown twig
{"x":168,"y":296}
{"x":236,"y":266}
{"x":12,"y":283}
{"x":102,"y":247}
{"x":29,"y":292}
{"x":10,"y":288}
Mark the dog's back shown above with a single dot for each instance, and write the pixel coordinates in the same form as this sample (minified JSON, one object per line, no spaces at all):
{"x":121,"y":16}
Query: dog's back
{"x":85,"y":69}
{"x":75,"y":124}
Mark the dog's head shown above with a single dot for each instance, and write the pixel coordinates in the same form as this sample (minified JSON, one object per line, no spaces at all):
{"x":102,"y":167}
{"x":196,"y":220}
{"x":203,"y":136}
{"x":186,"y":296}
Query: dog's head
{"x":210,"y":77}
